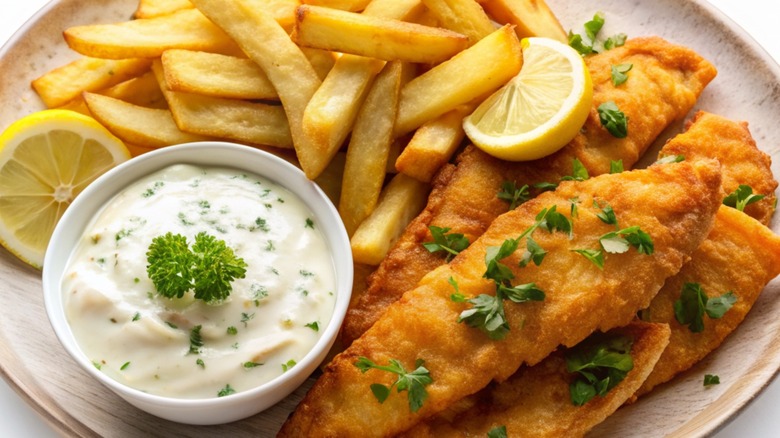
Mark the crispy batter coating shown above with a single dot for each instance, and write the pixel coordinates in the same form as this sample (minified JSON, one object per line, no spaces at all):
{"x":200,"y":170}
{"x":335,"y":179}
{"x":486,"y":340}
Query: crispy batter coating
{"x":535,"y":401}
{"x":665,"y":82}
{"x":739,"y":255}
{"x":712,"y":136}
{"x":675,"y":204}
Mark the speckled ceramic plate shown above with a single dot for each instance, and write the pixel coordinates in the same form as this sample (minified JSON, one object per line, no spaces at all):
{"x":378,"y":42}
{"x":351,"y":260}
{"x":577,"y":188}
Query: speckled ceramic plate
{"x":747,"y":88}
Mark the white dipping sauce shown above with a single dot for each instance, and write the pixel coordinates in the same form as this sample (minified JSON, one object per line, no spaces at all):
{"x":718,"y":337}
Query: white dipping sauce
{"x":272,"y":318}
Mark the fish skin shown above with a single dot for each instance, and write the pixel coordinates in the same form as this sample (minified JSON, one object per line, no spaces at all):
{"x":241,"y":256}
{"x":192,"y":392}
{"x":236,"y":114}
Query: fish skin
{"x":663,"y":85}
{"x":674,"y":203}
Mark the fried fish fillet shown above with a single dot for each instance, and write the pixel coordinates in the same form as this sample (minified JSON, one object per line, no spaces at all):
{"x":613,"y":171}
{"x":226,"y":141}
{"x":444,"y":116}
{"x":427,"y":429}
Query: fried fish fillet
{"x":739,"y":255}
{"x":675,"y":204}
{"x":535,"y":401}
{"x":712,"y":136}
{"x":664,"y":83}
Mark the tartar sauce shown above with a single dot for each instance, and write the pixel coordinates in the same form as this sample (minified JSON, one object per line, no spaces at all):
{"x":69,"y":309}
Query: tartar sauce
{"x":272,"y":318}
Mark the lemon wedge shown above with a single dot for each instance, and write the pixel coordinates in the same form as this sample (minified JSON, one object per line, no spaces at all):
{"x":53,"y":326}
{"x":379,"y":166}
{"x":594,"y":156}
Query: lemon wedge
{"x":46,"y":159}
{"x":538,"y":111}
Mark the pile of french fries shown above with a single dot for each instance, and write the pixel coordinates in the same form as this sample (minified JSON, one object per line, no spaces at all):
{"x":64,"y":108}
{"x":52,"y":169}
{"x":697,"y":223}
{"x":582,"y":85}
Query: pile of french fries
{"x":367,"y":97}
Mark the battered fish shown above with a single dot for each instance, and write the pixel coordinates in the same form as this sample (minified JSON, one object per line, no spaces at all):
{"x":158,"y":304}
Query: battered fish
{"x":712,"y":136}
{"x":664,"y":83}
{"x":535,"y":401}
{"x":675,"y":204}
{"x":739,"y":255}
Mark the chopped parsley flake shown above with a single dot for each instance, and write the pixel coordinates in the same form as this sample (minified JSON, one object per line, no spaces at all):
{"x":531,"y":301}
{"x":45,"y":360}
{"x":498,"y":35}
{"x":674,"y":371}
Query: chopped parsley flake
{"x":227,"y":390}
{"x":288,"y":365}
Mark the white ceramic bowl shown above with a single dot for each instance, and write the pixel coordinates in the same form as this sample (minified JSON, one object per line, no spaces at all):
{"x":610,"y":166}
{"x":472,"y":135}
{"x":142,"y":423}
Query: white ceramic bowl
{"x":96,"y":195}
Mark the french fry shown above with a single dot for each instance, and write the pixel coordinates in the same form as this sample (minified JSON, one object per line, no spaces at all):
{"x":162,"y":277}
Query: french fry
{"x":63,"y":84}
{"x":212,"y":74}
{"x":142,"y":91}
{"x":148,"y":127}
{"x":330,"y":179}
{"x":433,"y":144}
{"x":402,"y":200}
{"x":457,"y":81}
{"x":239,"y":120}
{"x":155,"y":8}
{"x":404,"y":10}
{"x":530,"y":18}
{"x":283,"y":11}
{"x":288,"y":69}
{"x":136,"y":150}
{"x":375,"y":37}
{"x":463,"y":16}
{"x":149,"y":37}
{"x":321,"y":60}
{"x":395,"y":151}
{"x":344,"y":5}
{"x":330,"y":113}
{"x":369,"y":146}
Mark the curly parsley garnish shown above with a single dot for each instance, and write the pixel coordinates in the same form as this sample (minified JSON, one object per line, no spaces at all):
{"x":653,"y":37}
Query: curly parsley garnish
{"x":601,"y":363}
{"x":694,"y":303}
{"x":741,"y":197}
{"x":208,"y":267}
{"x":227,"y":390}
{"x":196,"y":341}
{"x":451,"y":243}
{"x":413,"y":382}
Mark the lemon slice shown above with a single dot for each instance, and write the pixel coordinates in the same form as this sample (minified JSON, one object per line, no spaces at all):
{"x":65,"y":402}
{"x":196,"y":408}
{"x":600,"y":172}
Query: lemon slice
{"x":540,"y":110}
{"x":46,"y":159}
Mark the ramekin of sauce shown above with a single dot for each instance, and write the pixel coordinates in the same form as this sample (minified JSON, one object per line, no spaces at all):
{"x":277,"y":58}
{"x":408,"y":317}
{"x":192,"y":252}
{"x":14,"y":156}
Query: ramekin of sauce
{"x":188,"y":359}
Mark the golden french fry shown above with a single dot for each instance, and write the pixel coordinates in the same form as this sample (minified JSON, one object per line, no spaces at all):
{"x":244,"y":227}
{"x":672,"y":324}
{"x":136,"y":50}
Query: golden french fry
{"x":404,"y":10}
{"x":395,"y":151}
{"x":63,"y":84}
{"x":530,"y":18}
{"x":330,"y":113}
{"x":142,"y":91}
{"x":149,"y":37}
{"x":288,"y":69}
{"x":239,"y":120}
{"x":330,"y":179}
{"x":322,"y":60}
{"x":155,"y":8}
{"x":369,"y":146}
{"x":463,"y":16}
{"x":457,"y":81}
{"x":402,"y":200}
{"x":283,"y":11}
{"x":433,"y":144}
{"x":344,"y":5}
{"x":148,"y":127}
{"x":375,"y":37}
{"x":212,"y":74}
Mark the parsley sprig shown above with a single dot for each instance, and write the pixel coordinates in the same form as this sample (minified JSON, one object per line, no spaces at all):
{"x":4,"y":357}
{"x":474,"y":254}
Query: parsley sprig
{"x":487,"y":311}
{"x":208,"y":267}
{"x":601,"y":363}
{"x":413,"y":382}
{"x":694,"y":303}
{"x":513,"y":195}
{"x":741,"y":197}
{"x":443,"y":240}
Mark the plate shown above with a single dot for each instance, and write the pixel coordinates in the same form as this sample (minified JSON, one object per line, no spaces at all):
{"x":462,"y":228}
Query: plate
{"x":747,"y":88}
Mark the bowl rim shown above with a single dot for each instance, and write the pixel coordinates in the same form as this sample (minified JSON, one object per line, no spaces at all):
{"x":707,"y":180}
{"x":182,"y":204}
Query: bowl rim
{"x":212,"y":154}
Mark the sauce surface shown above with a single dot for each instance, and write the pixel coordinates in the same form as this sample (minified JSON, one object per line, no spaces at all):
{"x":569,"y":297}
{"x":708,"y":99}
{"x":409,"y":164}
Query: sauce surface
{"x":272,"y":318}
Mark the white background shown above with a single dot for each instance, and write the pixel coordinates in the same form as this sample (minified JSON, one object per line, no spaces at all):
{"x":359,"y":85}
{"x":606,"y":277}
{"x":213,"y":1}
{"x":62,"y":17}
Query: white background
{"x":760,"y":419}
